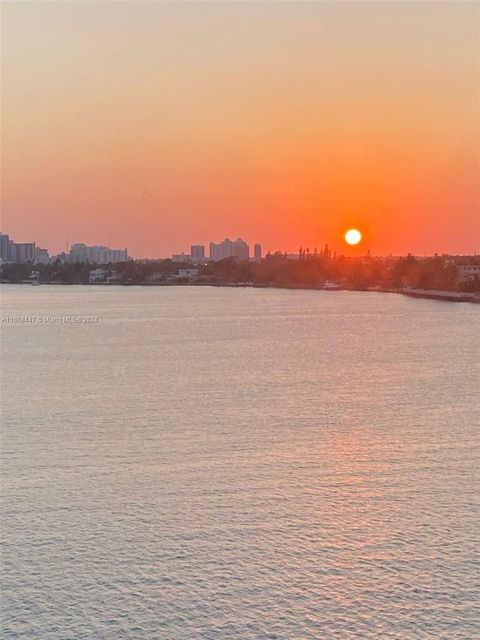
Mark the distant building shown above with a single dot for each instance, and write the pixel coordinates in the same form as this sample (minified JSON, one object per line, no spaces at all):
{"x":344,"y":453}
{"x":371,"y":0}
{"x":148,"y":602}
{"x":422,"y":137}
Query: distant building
{"x":6,"y":248}
{"x":24,"y":252}
{"x":468,"y":272}
{"x":180,"y":257}
{"x":4,"y":244}
{"x":114,"y":278}
{"x":97,"y":275}
{"x":18,"y":252}
{"x":21,"y":252}
{"x":156,"y":276}
{"x":119,"y":255}
{"x":229,"y":249}
{"x":41,"y":256}
{"x":80,"y":252}
{"x":189,"y":274}
{"x":257,"y":252}
{"x":197,"y":252}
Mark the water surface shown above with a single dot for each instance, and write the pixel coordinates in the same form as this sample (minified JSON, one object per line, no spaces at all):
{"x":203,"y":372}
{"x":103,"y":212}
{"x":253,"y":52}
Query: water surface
{"x":208,"y":463}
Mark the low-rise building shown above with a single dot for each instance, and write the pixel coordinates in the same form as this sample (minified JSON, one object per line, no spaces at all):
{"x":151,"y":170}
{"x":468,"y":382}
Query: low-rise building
{"x":181,"y":257}
{"x":468,"y":272}
{"x":157,"y":276}
{"x":114,"y":278}
{"x":97,"y":275}
{"x":188,"y":274}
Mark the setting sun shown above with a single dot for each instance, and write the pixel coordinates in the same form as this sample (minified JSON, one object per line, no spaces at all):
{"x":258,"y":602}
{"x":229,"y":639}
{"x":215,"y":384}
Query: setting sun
{"x":353,"y":236}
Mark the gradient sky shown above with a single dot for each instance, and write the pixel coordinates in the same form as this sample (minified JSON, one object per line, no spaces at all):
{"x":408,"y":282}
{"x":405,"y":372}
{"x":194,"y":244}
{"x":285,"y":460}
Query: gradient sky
{"x":154,"y":125}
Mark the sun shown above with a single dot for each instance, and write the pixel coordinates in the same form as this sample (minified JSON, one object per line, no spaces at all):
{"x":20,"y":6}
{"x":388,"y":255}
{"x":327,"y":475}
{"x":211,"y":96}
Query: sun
{"x":353,"y":236}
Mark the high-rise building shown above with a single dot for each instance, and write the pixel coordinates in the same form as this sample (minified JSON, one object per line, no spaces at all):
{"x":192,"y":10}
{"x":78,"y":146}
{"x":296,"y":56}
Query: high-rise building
{"x":229,"y":249}
{"x":257,"y":252}
{"x":80,"y":252}
{"x":41,"y":256}
{"x":119,"y":255}
{"x":216,"y":251}
{"x":24,"y":251}
{"x":241,"y":249}
{"x":5,"y":248}
{"x":11,"y":251}
{"x":197,"y":252}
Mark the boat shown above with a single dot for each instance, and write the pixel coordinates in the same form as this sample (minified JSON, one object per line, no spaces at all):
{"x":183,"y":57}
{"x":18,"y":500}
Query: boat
{"x":330,"y":286}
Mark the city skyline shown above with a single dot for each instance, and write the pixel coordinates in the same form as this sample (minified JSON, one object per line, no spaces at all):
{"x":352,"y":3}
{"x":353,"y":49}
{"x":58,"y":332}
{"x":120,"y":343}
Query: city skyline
{"x":157,"y":122}
{"x":15,"y":252}
{"x":210,"y":251}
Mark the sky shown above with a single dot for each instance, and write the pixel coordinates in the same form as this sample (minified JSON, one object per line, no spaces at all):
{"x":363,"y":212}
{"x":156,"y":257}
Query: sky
{"x":156,"y":125}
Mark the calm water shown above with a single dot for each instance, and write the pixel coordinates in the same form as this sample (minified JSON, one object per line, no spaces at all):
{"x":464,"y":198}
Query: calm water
{"x":236,"y":463}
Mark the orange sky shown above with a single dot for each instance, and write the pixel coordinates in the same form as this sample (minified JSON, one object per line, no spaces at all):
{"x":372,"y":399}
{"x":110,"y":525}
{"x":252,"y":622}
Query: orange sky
{"x":154,"y":125}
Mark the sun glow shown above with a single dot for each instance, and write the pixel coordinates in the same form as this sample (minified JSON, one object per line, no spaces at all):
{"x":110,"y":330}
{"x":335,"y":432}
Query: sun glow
{"x":353,"y":236}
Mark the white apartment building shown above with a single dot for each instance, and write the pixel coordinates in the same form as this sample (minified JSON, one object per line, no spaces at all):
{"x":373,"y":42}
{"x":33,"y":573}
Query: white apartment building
{"x":97,"y":275}
{"x":229,"y":249}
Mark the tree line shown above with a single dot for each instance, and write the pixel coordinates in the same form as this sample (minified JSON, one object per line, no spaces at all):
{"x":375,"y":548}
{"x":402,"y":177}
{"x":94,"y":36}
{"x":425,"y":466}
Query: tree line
{"x":277,"y":270}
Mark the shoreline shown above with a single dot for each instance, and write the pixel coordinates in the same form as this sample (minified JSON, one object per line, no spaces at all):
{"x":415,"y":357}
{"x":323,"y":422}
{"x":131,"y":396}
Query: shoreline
{"x":426,"y":294}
